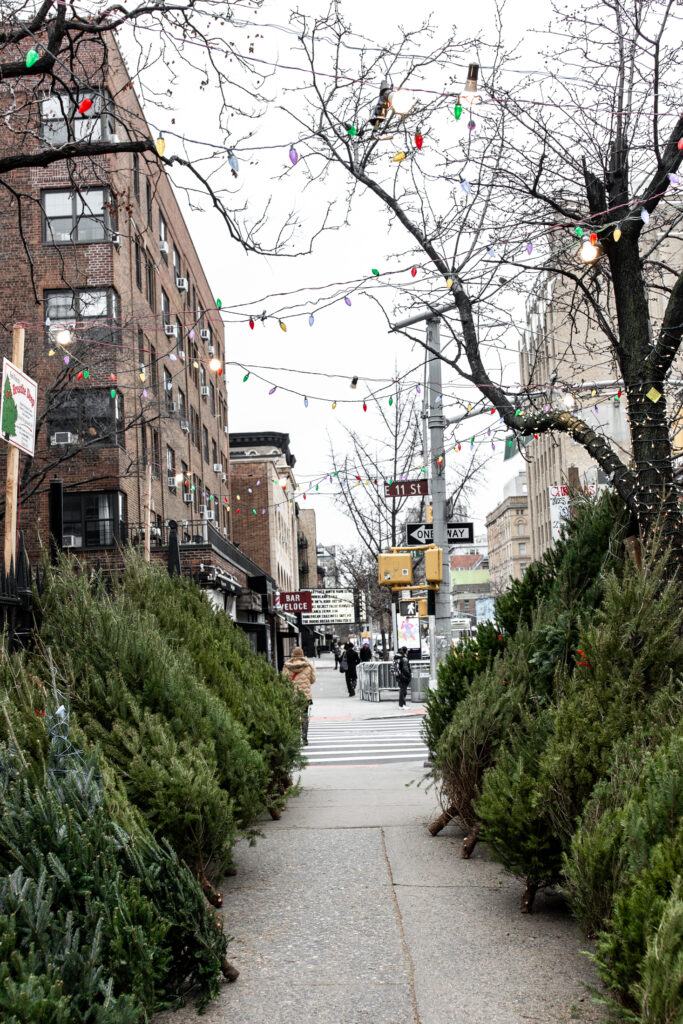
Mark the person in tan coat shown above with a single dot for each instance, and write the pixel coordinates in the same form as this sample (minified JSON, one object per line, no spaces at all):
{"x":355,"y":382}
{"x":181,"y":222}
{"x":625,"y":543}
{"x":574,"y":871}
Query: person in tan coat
{"x":302,"y":674}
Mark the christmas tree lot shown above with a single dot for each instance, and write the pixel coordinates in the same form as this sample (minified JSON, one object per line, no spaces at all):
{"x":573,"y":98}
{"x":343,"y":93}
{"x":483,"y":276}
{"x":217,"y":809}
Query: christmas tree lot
{"x":140,"y":738}
{"x":561,"y":747}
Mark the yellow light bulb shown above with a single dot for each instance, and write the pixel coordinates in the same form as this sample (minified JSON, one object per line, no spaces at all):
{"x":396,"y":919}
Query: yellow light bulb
{"x":398,"y":157}
{"x":617,"y":234}
{"x":334,"y":405}
{"x":161,"y":145}
{"x":283,"y":326}
{"x":449,"y":283}
{"x":143,"y":377}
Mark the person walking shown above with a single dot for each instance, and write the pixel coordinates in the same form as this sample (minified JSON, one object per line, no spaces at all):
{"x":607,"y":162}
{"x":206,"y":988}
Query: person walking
{"x":302,"y":674}
{"x":366,"y":651}
{"x":403,"y":675}
{"x":336,"y":650}
{"x":347,"y":665}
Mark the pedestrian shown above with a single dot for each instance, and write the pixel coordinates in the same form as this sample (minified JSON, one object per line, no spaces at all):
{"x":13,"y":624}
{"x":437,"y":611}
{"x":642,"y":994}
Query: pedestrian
{"x":302,"y":674}
{"x":403,"y":675}
{"x":365,"y":651}
{"x":347,"y":665}
{"x":336,"y":650}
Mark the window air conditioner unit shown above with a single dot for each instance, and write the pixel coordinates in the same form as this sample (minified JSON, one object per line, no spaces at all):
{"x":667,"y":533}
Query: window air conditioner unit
{"x":169,"y":330}
{"x":225,"y":531}
{"x":181,"y":354}
{"x":171,"y":407}
{"x":205,"y":391}
{"x":163,"y":246}
{"x":70,"y":540}
{"x":172,"y":482}
{"x":116,"y":239}
{"x":209,"y":514}
{"x":212,"y":350}
{"x":218,"y":467}
{"x":185,"y":426}
{"x":113,"y":137}
{"x":187,"y":498}
{"x":64,"y":437}
{"x":205,"y":334}
{"x":224,"y":477}
{"x":181,"y":284}
{"x":155,"y":531}
{"x":184,"y":523}
{"x":203,"y":510}
{"x":225,"y":430}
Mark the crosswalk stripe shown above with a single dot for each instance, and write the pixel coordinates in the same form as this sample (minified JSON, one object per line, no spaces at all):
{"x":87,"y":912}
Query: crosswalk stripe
{"x":365,"y":743}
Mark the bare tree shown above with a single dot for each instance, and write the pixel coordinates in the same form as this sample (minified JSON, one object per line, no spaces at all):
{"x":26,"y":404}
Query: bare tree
{"x":492,"y":202}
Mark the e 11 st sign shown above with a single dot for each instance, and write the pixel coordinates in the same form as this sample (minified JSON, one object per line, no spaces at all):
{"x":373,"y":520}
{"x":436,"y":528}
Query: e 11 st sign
{"x":18,"y":408}
{"x":406,"y":488}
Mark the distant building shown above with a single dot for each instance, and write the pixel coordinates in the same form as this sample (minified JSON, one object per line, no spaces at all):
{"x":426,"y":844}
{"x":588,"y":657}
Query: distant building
{"x":328,"y":574}
{"x":509,"y":535}
{"x":470,"y":581}
{"x":308,"y":549}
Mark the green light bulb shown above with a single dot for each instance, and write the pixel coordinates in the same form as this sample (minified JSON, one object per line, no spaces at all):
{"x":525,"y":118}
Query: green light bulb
{"x":457,"y":110}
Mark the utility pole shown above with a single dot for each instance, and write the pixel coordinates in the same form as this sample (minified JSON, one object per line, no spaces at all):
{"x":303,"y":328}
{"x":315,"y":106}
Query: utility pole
{"x":437,"y":478}
{"x":12,"y":484}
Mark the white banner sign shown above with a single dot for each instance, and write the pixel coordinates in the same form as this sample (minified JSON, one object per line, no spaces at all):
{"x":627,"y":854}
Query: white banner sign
{"x":18,"y":409}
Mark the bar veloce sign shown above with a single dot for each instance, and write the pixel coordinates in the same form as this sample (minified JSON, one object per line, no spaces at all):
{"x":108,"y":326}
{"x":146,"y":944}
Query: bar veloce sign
{"x":293,"y":601}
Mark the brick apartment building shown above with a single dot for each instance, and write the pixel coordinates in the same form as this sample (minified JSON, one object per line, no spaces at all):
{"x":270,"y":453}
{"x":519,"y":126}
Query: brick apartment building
{"x":509,"y":535}
{"x":126,"y":343}
{"x":307,"y":541}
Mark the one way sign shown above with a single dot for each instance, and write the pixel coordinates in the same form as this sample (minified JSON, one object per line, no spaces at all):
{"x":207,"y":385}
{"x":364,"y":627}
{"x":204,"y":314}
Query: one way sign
{"x":423,"y":533}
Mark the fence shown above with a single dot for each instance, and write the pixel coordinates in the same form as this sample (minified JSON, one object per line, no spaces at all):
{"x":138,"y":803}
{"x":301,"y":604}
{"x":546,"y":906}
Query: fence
{"x":16,"y":599}
{"x":376,"y":680}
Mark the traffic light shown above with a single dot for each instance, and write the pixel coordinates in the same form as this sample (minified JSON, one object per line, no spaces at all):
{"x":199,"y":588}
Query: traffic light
{"x":395,"y":568}
{"x":434,"y":565}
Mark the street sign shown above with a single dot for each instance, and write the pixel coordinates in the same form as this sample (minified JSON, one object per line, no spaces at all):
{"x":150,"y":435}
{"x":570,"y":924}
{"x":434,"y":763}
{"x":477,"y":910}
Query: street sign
{"x":18,"y":409}
{"x":332,"y":605}
{"x":293,"y":601}
{"x":406,"y":488}
{"x":423,"y":533}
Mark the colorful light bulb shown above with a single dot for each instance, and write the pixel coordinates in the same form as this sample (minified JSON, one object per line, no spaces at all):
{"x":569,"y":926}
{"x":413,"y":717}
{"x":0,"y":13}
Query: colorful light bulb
{"x":161,"y":145}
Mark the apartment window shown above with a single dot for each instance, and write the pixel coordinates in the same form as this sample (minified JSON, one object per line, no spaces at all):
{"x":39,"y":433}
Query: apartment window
{"x":168,"y":388}
{"x":176,"y":263}
{"x":136,"y":176}
{"x":521,"y":527}
{"x":170,"y":465}
{"x":185,"y":471}
{"x":522,"y":548}
{"x":165,"y":307}
{"x":61,"y":121}
{"x":92,"y":311}
{"x":95,"y":520}
{"x":194,"y":372}
{"x":143,"y":443}
{"x":142,"y":354}
{"x":214,"y":453}
{"x":148,"y":200}
{"x":194,"y":427}
{"x":522,"y":568}
{"x":151,"y":283}
{"x":75,"y":216}
{"x":212,"y":398}
{"x":197,"y":487}
{"x":138,"y":262}
{"x":182,"y":408}
{"x":163,"y":233}
{"x":205,"y":443}
{"x":153,"y":368}
{"x":156,"y":454}
{"x":202,"y":375}
{"x":179,"y":338}
{"x":92,"y":414}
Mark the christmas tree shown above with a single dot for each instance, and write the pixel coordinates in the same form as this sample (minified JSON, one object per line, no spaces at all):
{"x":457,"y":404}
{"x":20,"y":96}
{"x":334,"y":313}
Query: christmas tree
{"x":9,"y":410}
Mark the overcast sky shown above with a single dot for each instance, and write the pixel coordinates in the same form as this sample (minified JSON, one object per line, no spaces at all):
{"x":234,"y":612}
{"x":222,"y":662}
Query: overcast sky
{"x":344,"y":340}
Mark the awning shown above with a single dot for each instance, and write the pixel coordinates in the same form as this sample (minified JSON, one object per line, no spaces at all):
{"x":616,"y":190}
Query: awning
{"x":286,"y":625}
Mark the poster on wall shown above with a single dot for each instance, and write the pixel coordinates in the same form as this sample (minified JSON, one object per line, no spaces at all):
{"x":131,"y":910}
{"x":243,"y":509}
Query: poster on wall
{"x":18,"y":408}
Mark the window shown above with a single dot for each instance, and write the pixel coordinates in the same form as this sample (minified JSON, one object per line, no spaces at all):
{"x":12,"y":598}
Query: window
{"x":170,"y":465}
{"x":182,"y":408}
{"x":92,"y":414}
{"x":153,"y":371}
{"x":75,"y":216}
{"x":93,"y":310}
{"x":176,"y":262}
{"x":61,"y":121}
{"x":214,"y":453}
{"x":138,"y":262}
{"x":212,"y":398}
{"x":156,"y":454}
{"x":186,"y":477}
{"x":143,"y":444}
{"x":95,"y":520}
{"x":522,"y":548}
{"x":163,"y":232}
{"x":151,"y":283}
{"x":148,"y":200}
{"x":522,"y":569}
{"x":202,"y":375}
{"x":194,"y":427}
{"x":197,"y":487}
{"x":168,"y":388}
{"x":521,"y":527}
{"x":179,"y":338}
{"x":165,"y":307}
{"x":205,"y":443}
{"x":194,"y":372}
{"x":136,"y":176}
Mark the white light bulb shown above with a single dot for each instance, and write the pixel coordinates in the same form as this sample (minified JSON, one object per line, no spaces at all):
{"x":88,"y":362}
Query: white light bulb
{"x":402,"y":101}
{"x":588,"y":252}
{"x":569,"y":400}
{"x":63,"y":336}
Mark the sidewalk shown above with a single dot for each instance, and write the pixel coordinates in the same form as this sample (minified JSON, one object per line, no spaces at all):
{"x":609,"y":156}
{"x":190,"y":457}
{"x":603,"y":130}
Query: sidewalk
{"x":331,"y":701}
{"x":348,"y":912}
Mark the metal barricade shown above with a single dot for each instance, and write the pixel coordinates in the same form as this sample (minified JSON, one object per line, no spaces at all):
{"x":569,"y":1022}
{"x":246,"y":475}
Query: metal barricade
{"x":376,"y":680}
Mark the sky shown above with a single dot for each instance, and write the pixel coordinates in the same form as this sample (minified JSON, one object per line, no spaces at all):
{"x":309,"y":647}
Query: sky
{"x":345,"y":341}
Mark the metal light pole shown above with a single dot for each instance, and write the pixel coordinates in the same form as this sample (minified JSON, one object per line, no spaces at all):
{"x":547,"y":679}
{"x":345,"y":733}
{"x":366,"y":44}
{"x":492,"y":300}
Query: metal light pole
{"x":440,"y":632}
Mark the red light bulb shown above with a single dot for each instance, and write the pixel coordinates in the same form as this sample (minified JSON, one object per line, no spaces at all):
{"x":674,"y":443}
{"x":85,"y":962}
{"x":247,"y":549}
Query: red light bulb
{"x":251,"y":324}
{"x":418,"y":140}
{"x":413,"y":272}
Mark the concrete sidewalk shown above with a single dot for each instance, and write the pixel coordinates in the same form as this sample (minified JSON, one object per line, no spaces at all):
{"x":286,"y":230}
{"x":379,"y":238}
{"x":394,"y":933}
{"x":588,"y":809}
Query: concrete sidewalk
{"x":349,"y":912}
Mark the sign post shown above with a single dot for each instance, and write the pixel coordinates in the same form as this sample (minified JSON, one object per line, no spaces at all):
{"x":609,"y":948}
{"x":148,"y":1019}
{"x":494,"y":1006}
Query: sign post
{"x":18,"y":426}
